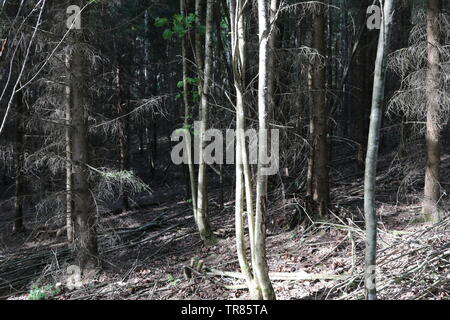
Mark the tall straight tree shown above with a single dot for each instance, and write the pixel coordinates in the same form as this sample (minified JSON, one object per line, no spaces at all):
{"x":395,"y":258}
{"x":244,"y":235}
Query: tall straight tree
{"x":244,"y":187}
{"x":319,"y":154}
{"x":85,"y":238}
{"x":261,"y":268}
{"x":237,"y":23}
{"x":188,"y":113}
{"x":68,"y":141}
{"x":202,"y":194}
{"x":19,"y":155}
{"x":372,"y":149}
{"x":433,"y":84}
{"x":123,"y":124}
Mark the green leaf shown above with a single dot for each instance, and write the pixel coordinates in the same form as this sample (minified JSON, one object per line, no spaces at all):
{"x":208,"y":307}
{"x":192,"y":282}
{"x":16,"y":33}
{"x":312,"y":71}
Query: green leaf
{"x":167,"y":34}
{"x":180,"y":84}
{"x":179,"y":30}
{"x":161,"y":22}
{"x":192,"y":80}
{"x":195,"y":96}
{"x":178,"y":18}
{"x":190,"y":18}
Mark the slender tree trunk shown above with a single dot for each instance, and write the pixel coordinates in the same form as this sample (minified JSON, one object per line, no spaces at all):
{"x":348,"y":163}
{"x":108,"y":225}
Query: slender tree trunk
{"x":272,"y":75}
{"x":311,"y":127}
{"x":320,"y":187}
{"x":372,"y":150}
{"x":187,"y":119}
{"x":69,"y":170}
{"x":83,"y":215}
{"x":198,"y":44}
{"x":243,"y":181}
{"x":121,"y":111}
{"x":202,"y":195}
{"x":20,"y":163}
{"x":261,"y":268}
{"x":433,"y":82}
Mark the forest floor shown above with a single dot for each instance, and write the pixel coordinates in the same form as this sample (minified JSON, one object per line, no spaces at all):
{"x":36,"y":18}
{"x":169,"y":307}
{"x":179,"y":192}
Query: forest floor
{"x":146,"y":251}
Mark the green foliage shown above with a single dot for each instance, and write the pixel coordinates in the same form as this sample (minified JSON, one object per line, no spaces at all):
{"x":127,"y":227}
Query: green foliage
{"x":42,"y":293}
{"x":161,"y":22}
{"x":179,"y":25}
{"x":167,"y":34}
{"x":192,"y":81}
{"x":171,"y":280}
{"x":186,"y":128}
{"x":196,"y":96}
{"x":224,"y":23}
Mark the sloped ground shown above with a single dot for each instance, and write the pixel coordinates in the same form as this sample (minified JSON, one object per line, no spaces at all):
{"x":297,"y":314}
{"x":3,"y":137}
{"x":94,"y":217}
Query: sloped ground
{"x":145,"y":252}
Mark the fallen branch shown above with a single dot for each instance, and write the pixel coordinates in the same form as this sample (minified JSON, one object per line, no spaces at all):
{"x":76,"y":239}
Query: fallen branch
{"x":281,"y":276}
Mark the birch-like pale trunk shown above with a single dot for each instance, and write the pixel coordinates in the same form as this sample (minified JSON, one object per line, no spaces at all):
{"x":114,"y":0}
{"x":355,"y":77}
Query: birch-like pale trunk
{"x":261,"y":267}
{"x":372,"y":150}
{"x":243,"y":180}
{"x":202,"y":195}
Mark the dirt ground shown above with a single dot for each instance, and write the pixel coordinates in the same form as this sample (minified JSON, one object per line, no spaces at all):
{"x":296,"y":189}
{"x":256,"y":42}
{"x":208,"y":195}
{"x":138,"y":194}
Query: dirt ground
{"x":145,"y":252}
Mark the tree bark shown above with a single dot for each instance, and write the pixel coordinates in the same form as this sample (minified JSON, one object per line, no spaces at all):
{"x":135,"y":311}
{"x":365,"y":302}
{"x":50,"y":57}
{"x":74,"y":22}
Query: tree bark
{"x":320,"y":187}
{"x":187,"y":119}
{"x":202,"y":195}
{"x":261,"y":267}
{"x":122,"y":111}
{"x":85,"y":240}
{"x":20,"y":163}
{"x":69,"y":169}
{"x":238,"y":44}
{"x":432,"y":174}
{"x":372,"y":150}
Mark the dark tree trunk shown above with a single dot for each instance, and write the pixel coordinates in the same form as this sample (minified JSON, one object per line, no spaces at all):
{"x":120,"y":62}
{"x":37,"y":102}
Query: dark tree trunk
{"x":20,"y":163}
{"x":432,"y":173}
{"x":83,"y":212}
{"x":320,"y":187}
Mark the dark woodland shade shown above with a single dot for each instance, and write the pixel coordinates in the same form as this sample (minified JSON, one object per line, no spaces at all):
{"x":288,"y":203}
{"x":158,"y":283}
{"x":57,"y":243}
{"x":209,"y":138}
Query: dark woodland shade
{"x":87,"y":118}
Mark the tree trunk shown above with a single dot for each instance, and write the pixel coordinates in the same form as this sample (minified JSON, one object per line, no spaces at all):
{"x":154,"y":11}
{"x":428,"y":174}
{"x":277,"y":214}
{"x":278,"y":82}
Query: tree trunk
{"x":202,"y":195}
{"x":122,"y":111}
{"x":243,"y":181}
{"x":20,"y":163}
{"x":69,"y":170}
{"x":320,"y":188}
{"x":261,"y":268}
{"x":187,"y":119}
{"x":198,"y":44}
{"x":372,"y":150}
{"x":83,"y":215}
{"x":433,"y":83}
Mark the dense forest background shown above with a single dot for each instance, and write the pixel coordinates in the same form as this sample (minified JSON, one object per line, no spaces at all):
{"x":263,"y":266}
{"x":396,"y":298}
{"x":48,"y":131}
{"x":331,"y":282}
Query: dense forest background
{"x":95,"y":94}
